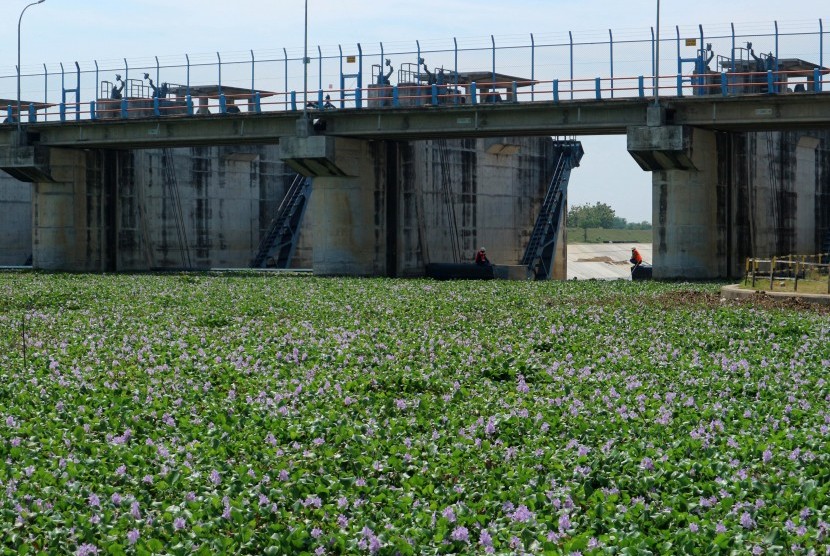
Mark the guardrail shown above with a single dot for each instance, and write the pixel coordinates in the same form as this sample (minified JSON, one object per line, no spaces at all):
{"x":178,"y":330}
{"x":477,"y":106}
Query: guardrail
{"x":787,"y":272}
{"x":557,"y":67}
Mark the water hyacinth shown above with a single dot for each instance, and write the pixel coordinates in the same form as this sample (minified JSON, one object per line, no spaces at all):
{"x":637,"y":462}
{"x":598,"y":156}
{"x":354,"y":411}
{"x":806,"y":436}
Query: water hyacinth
{"x":235,"y":413}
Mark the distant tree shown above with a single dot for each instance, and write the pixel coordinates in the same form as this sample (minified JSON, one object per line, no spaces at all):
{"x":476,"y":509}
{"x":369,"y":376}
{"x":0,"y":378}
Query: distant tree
{"x":619,"y":223}
{"x":598,"y":215}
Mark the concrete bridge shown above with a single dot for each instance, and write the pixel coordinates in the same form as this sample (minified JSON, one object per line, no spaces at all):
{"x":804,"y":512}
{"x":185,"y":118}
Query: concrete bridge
{"x":689,"y":140}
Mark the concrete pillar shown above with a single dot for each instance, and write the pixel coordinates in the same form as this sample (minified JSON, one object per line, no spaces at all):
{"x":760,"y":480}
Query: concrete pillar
{"x":687,"y":202}
{"x":16,"y":224}
{"x":806,"y":187}
{"x":68,"y":217}
{"x":343,"y":233}
{"x":687,"y":233}
{"x":347,"y":205}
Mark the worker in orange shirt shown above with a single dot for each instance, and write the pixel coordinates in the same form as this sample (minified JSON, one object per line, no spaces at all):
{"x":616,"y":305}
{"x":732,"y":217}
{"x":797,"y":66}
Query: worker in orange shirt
{"x":636,"y":259}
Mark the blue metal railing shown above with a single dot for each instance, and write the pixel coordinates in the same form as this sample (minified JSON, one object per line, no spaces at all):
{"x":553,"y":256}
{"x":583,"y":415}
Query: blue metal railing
{"x":538,"y":68}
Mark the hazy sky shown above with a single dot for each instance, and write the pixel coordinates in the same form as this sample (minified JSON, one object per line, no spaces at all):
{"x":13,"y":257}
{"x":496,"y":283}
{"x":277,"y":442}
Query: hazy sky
{"x":85,"y":30}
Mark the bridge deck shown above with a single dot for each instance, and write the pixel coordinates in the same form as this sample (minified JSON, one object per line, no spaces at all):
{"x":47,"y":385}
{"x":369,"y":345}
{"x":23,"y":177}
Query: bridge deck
{"x":580,"y":117}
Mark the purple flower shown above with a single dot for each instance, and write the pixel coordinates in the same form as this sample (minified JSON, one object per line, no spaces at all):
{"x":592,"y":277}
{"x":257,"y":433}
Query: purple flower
{"x":647,"y":464}
{"x":720,"y":528}
{"x":86,"y":550}
{"x":484,"y":538}
{"x":746,"y":521}
{"x":319,"y":551}
{"x":316,"y":532}
{"x":693,"y":527}
{"x":116,"y":498}
{"x":134,"y":511}
{"x":564,"y":522}
{"x":449,"y":514}
{"x":179,"y":523}
{"x":767,"y":456}
{"x":94,"y":501}
{"x":522,"y":514}
{"x":460,"y":534}
{"x":215,"y":478}
{"x":132,"y":536}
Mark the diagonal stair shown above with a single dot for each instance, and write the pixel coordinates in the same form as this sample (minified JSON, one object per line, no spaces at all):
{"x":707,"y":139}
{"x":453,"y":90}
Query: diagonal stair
{"x":277,"y":246}
{"x":541,"y":248}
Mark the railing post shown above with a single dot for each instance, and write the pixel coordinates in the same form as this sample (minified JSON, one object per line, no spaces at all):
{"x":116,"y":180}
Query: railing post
{"x":680,"y":85}
{"x":771,"y":273}
{"x":597,"y":87}
{"x":156,"y":111}
{"x":724,"y":83}
{"x":754,"y":271}
{"x":816,"y":80}
{"x":62,"y":112}
{"x":294,"y":101}
{"x":223,"y":103}
{"x":92,"y":115}
{"x":358,"y":98}
{"x":641,"y":85}
{"x":515,"y":92}
{"x":770,"y":83}
{"x":188,"y":100}
{"x":746,"y":271}
{"x":395,"y":99}
{"x":32,"y":113}
{"x":257,"y":102}
{"x":124,"y":102}
{"x":434,"y":92}
{"x":795,"y":284}
{"x":473,"y":93}
{"x":320,"y":99}
{"x":556,"y":90}
{"x":9,"y":114}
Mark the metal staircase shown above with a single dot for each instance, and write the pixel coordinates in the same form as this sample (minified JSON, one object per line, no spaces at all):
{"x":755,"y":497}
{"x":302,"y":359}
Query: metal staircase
{"x":541,"y":248}
{"x":171,"y":184}
{"x":277,"y":246}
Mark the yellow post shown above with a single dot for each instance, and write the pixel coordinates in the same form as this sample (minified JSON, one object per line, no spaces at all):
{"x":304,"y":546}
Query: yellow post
{"x":771,"y":273}
{"x":754,"y":271}
{"x":795,"y":283}
{"x":746,"y":271}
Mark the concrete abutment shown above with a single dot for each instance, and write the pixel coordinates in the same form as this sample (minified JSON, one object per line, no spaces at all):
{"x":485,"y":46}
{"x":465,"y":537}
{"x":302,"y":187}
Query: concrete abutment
{"x":719,"y":197}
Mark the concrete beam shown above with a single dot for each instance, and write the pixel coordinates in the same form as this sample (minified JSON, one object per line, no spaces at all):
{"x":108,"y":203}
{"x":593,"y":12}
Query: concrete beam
{"x":322,"y":157}
{"x":26,"y":163}
{"x":665,"y":147}
{"x":583,"y":117}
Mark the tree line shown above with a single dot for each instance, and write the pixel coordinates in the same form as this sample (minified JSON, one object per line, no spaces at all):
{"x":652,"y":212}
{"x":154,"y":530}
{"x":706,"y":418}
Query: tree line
{"x":601,"y":215}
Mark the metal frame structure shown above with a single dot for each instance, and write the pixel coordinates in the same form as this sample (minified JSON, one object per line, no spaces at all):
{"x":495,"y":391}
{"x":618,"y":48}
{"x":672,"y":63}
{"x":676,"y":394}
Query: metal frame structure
{"x":537,"y":57}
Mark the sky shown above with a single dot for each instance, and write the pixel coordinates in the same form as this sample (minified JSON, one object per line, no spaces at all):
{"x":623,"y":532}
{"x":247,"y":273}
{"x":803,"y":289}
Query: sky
{"x":86,"y":30}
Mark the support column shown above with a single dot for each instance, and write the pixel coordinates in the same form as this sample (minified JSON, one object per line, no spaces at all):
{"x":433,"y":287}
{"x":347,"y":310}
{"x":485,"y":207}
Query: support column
{"x":688,"y":236}
{"x":347,"y":206}
{"x":69,"y":215}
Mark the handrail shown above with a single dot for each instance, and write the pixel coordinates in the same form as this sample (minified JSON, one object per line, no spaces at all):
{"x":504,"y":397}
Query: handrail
{"x":560,"y":69}
{"x":788,"y":268}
